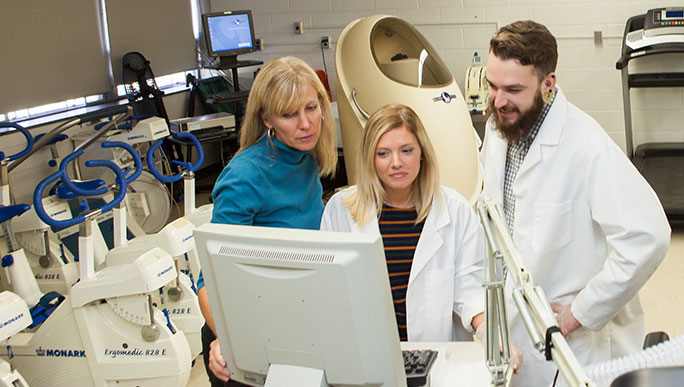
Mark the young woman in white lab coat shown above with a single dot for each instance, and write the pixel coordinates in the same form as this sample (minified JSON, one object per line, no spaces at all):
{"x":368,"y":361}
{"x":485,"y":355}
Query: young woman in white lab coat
{"x":398,"y":172}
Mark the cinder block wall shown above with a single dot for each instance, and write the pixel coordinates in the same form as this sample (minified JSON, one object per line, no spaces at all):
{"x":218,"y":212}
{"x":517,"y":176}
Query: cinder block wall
{"x":458,"y":28}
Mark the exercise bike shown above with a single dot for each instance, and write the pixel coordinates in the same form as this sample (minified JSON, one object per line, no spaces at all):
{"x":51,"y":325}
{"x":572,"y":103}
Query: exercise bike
{"x":105,"y":331}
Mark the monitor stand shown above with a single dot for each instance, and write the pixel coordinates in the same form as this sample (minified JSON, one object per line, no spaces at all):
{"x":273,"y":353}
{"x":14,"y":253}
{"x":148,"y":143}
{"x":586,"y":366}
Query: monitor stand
{"x":231,"y":62}
{"x":282,"y":375}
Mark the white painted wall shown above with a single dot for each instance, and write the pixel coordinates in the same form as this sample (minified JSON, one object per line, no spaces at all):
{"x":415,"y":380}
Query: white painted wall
{"x":457,"y":28}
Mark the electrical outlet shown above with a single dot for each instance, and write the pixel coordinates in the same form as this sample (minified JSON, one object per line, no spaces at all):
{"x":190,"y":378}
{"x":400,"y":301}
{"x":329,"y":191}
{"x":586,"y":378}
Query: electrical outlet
{"x":325,"y":42}
{"x":299,"y":28}
{"x":259,"y":44}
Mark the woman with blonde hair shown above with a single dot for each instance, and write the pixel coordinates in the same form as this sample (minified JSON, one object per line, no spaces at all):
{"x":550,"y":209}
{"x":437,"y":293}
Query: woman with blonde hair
{"x":279,"y":89}
{"x":433,"y":241}
{"x":287,"y":141}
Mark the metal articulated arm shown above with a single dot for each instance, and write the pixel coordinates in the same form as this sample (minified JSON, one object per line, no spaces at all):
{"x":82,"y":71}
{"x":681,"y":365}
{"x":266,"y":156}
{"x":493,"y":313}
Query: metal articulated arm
{"x":502,"y":260}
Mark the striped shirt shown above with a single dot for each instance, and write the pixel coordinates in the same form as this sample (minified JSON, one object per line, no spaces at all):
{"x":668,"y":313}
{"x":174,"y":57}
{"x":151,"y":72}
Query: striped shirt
{"x":400,"y":237}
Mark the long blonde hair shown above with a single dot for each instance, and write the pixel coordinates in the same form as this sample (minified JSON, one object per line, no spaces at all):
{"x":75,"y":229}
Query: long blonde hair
{"x":280,"y":87}
{"x":369,"y":190}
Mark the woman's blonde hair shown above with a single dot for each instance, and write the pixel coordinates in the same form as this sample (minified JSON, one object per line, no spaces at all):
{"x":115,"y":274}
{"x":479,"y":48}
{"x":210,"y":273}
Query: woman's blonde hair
{"x":279,"y":88}
{"x":369,"y":190}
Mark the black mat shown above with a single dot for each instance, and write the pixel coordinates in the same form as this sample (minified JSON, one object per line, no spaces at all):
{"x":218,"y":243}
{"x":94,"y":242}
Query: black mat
{"x":662,"y":164}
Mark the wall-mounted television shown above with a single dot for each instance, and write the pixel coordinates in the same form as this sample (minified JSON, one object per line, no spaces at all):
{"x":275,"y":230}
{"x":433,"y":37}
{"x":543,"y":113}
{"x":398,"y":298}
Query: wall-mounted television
{"x":228,"y":34}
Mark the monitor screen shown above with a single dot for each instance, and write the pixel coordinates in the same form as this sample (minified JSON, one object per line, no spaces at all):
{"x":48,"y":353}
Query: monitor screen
{"x":229,"y":33}
{"x":285,"y":299}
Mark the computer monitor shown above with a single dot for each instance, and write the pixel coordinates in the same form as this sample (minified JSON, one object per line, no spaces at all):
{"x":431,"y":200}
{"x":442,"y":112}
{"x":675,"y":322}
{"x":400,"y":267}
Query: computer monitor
{"x":286,"y":300}
{"x":229,"y":34}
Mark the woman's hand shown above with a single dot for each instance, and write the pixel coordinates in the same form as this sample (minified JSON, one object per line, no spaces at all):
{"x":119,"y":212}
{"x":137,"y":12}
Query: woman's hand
{"x":516,"y":356}
{"x":217,"y":364}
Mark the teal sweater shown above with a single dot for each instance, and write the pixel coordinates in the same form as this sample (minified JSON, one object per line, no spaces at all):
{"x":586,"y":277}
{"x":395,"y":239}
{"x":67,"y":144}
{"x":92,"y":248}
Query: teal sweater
{"x":270,"y":186}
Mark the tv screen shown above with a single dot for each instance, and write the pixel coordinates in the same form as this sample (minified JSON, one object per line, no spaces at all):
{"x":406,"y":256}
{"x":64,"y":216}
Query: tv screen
{"x":229,"y":33}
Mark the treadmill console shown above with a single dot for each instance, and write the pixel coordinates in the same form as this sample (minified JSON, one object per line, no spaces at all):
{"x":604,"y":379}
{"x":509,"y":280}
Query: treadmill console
{"x":664,"y":21}
{"x":658,"y":26}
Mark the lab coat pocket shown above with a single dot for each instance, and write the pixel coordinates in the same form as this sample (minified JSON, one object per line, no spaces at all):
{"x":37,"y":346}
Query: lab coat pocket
{"x":439,"y":294}
{"x":552,"y":226}
{"x":580,"y":342}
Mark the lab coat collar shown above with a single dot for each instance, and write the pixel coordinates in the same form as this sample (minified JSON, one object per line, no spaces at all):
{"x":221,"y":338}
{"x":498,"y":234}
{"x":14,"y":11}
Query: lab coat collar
{"x":496,"y":157}
{"x":552,"y":127}
{"x":549,"y":133}
{"x":430,"y":238}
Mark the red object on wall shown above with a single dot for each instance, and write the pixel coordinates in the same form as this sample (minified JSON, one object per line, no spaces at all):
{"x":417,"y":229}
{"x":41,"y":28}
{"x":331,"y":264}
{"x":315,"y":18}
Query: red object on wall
{"x":324,"y":80}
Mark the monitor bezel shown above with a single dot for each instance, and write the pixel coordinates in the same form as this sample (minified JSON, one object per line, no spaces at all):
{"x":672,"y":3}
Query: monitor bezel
{"x":213,"y":240}
{"x":232,"y":52}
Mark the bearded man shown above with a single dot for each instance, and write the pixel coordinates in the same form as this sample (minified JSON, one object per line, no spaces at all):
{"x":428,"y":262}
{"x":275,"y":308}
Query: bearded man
{"x":587,"y":225}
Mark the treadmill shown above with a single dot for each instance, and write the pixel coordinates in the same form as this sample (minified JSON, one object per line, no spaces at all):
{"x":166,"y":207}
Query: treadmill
{"x":659,"y":31}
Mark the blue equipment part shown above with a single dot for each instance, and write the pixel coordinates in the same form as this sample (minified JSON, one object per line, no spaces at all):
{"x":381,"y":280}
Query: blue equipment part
{"x":136,"y":158}
{"x":61,"y":174}
{"x":7,"y":260}
{"x":92,"y":116}
{"x":87,"y":189}
{"x":55,"y":140}
{"x":44,"y":308}
{"x":188,"y":166}
{"x":73,"y":187}
{"x":9,"y":212}
{"x":53,"y":149}
{"x":63,"y":192}
{"x":29,"y":141}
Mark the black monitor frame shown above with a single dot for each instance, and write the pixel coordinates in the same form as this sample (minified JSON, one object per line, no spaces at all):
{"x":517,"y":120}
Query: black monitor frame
{"x":227,"y":58}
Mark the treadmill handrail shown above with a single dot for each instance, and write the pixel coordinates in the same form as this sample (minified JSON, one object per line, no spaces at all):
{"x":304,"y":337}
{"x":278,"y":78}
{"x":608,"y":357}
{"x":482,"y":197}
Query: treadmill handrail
{"x":647,"y":51}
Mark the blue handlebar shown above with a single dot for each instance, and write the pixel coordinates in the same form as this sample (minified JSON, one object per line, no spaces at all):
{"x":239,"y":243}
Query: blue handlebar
{"x":136,"y":158}
{"x":63,"y":192}
{"x":120,"y":180}
{"x":56,"y":139}
{"x":196,"y":143}
{"x":29,"y":140}
{"x":61,"y":174}
{"x":67,"y":182}
{"x":189,"y":167}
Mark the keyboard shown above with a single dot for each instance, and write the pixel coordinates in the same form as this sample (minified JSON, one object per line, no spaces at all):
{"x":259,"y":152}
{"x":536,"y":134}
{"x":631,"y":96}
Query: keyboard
{"x":229,"y":96}
{"x":417,"y":364}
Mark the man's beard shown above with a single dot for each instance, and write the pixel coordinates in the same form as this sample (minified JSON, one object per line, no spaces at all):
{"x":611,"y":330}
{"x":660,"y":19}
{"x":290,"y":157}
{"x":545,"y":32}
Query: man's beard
{"x":517,"y":130}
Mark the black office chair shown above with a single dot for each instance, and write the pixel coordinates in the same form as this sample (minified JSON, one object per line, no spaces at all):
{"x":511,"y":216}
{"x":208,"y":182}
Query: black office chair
{"x":141,"y":89}
{"x":147,"y":100}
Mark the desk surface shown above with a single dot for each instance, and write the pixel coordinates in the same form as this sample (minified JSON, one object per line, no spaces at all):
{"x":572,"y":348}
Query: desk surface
{"x":458,"y":362}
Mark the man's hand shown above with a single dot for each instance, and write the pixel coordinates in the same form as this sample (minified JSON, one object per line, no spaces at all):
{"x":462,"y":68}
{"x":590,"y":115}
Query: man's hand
{"x":566,"y":321}
{"x":217,"y":364}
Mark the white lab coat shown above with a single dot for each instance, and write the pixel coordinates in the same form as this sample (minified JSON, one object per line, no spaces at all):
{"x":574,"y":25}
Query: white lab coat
{"x":588,"y":227}
{"x":447,"y":271}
